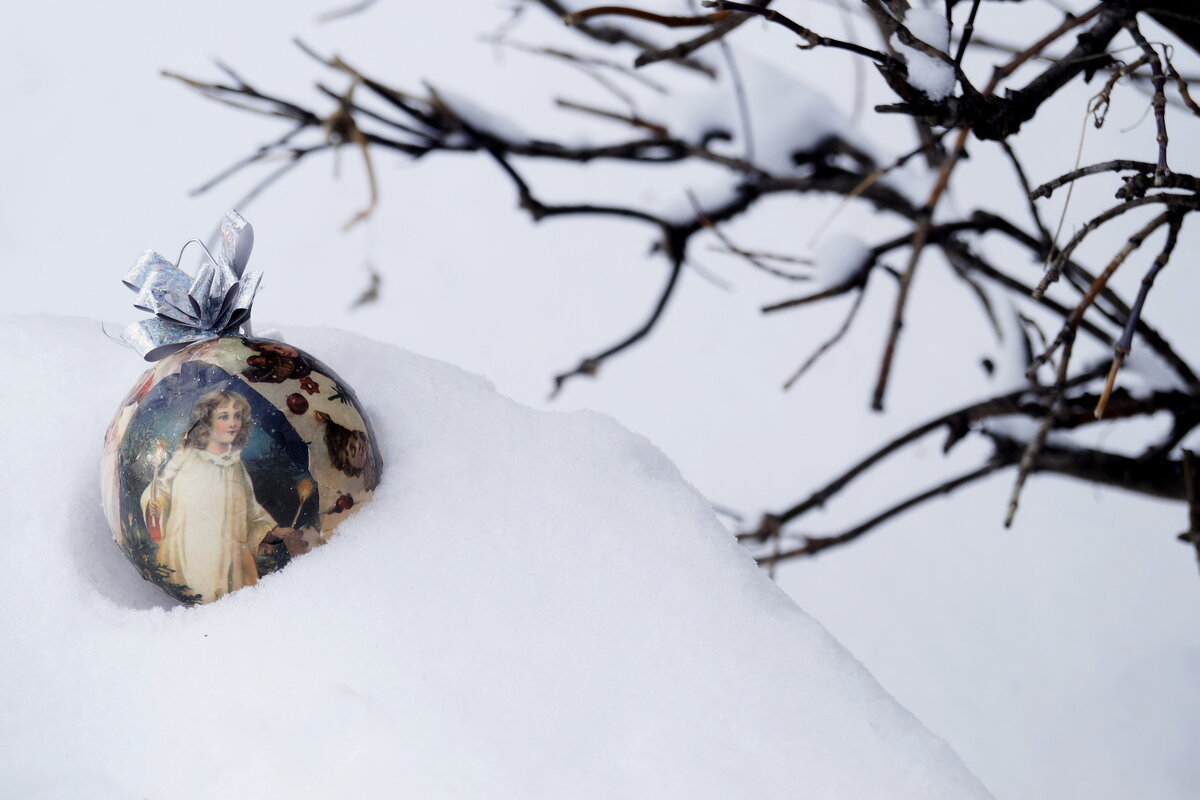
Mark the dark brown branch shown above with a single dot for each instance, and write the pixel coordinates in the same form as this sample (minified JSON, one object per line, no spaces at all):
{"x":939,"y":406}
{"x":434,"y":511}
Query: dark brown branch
{"x":1181,"y":85}
{"x":892,"y":24}
{"x":263,"y":152}
{"x":1023,"y":179}
{"x":815,"y":544}
{"x":1033,"y":449}
{"x":272,"y":177}
{"x":591,"y":364}
{"x":1102,"y":102}
{"x":919,"y":238}
{"x":1057,"y":265}
{"x":959,"y":253}
{"x":1162,"y":478}
{"x":610,"y":35}
{"x":811,"y":38}
{"x":828,"y":343}
{"x":1159,"y":100}
{"x":685,"y":49}
{"x":960,"y":419}
{"x":1088,"y":55}
{"x":430,"y":124}
{"x":1157,"y":477}
{"x":1117,"y":165}
{"x":968,"y":32}
{"x":1125,"y":344}
{"x":588,"y":64}
{"x":539,"y":210}
{"x":1118,"y":311}
{"x":753,"y":259}
{"x":1071,"y":324}
{"x":1036,"y":49}
{"x":346,"y":11}
{"x":629,"y":119}
{"x":583,"y":15}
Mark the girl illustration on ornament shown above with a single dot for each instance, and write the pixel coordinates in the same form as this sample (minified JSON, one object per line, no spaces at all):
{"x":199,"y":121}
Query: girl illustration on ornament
{"x":200,"y":506}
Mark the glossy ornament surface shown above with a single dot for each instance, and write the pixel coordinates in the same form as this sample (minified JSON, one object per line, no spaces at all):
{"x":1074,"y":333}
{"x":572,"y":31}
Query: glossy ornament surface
{"x":230,"y":457}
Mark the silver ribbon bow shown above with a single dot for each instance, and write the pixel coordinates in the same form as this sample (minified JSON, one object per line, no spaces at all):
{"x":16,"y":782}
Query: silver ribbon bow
{"x":214,"y":303}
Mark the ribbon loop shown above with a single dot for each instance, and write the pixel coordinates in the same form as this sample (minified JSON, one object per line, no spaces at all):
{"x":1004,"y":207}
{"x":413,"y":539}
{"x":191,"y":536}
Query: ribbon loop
{"x":189,"y":309}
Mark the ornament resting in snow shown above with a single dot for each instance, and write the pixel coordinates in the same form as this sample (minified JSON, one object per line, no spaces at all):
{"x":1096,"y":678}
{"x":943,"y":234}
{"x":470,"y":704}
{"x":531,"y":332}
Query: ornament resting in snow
{"x":232,"y":454}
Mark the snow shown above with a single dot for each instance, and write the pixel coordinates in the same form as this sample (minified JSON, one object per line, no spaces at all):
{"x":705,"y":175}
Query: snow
{"x":788,"y":116}
{"x":931,"y":75}
{"x":535,"y":605}
{"x":837,"y":258}
{"x":480,"y":118}
{"x":1150,"y":370}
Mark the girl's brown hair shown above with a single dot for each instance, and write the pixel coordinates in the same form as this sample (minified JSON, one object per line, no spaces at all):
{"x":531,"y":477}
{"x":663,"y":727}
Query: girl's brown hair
{"x":201,"y":429}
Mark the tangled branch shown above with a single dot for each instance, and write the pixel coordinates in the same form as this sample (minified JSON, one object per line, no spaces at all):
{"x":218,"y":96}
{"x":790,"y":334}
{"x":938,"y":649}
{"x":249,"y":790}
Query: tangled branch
{"x":373,"y":116}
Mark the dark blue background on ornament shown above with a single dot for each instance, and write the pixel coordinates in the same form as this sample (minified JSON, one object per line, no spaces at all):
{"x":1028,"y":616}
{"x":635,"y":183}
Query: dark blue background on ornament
{"x":275,"y":455}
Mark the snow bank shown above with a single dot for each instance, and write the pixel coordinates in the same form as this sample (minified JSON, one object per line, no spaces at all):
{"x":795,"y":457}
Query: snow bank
{"x":535,"y":605}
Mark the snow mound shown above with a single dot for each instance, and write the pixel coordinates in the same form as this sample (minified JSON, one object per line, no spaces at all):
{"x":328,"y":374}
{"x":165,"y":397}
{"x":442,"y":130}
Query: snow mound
{"x":534,"y":605}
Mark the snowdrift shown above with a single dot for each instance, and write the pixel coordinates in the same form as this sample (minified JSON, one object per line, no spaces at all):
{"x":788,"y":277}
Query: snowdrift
{"x":534,"y":605}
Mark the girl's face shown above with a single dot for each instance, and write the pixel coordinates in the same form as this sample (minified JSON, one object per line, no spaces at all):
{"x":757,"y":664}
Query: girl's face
{"x":226,"y":423}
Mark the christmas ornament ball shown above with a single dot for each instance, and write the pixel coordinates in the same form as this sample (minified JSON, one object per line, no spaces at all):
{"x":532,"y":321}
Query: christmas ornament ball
{"x":228,"y":458}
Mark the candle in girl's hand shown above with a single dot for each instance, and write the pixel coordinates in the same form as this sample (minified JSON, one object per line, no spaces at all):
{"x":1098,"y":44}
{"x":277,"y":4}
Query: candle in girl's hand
{"x":304,"y":488}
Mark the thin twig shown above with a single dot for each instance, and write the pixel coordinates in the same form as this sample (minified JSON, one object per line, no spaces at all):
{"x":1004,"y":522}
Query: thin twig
{"x":743,"y":102}
{"x":591,"y":364}
{"x":346,"y":11}
{"x":1117,"y":165}
{"x":811,"y":38}
{"x":685,"y":49}
{"x":585,"y":64}
{"x":751,"y":258}
{"x":958,"y":419}
{"x":765,"y":256}
{"x":1037,"y":48}
{"x":968,"y":31}
{"x":1030,"y":456}
{"x":1024,"y":181}
{"x":610,"y":35}
{"x":1102,"y":102}
{"x":920,"y":236}
{"x":829,"y":343}
{"x":815,"y":544}
{"x":958,"y":253}
{"x":1181,"y":84}
{"x":1158,"y":101}
{"x":668,"y":21}
{"x":262,"y":153}
{"x":1062,"y":259}
{"x":1124,"y":345}
{"x":629,"y":119}
{"x":1071,"y":324}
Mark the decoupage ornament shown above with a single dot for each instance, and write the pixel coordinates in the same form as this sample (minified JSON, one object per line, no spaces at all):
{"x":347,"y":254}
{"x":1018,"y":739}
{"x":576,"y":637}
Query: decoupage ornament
{"x":232,"y":454}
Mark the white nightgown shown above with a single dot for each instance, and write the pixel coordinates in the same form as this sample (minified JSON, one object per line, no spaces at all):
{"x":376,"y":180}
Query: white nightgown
{"x":212,"y":524}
